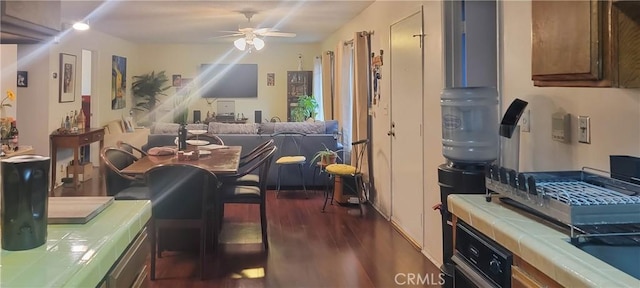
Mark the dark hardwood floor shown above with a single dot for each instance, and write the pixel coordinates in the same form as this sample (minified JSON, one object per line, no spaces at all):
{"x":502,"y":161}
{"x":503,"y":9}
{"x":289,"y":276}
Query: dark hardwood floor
{"x":308,"y":248}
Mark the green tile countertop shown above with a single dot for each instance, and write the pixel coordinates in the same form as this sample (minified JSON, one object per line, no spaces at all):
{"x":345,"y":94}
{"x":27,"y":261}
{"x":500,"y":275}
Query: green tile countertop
{"x":545,"y":248}
{"x":76,"y":255}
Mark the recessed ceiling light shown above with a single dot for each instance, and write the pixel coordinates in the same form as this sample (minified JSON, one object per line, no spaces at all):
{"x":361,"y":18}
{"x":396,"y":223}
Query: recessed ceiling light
{"x":82,"y":26}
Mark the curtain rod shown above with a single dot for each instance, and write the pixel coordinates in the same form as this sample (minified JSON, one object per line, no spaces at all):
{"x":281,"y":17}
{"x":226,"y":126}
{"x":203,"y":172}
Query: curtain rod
{"x":362,"y":34}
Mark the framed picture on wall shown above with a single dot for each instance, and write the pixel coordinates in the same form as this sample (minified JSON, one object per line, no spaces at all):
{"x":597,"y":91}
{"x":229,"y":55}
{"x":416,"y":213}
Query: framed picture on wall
{"x":67,"y":78}
{"x":119,"y":82}
{"x":23,"y":79}
{"x":271,"y":79}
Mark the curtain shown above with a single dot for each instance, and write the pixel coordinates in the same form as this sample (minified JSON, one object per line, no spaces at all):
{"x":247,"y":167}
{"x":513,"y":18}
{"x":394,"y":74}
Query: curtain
{"x":360,"y":82}
{"x":327,"y":80}
{"x":343,"y":93}
{"x":317,"y":87}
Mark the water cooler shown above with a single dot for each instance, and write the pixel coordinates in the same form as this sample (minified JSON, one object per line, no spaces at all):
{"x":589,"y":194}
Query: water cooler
{"x":469,"y":143}
{"x":25,"y":184}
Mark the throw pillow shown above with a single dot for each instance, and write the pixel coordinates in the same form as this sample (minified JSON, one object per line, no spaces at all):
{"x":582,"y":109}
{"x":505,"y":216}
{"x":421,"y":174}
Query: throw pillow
{"x":300,"y":127}
{"x":165,"y":128}
{"x":228,"y":128}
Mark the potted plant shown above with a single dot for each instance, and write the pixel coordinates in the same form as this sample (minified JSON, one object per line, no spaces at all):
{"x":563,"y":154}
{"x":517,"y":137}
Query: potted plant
{"x":306,"y":108}
{"x":146,"y":88}
{"x":326,"y":156}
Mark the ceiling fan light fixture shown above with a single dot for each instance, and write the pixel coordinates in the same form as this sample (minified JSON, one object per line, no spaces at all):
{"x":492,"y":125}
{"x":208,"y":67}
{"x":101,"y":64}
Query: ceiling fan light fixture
{"x":258,"y":43}
{"x":240,"y":43}
{"x":81,"y":26}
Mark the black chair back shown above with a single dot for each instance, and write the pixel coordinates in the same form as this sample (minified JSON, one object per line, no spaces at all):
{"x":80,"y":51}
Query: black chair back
{"x":130,"y":148}
{"x":115,"y":160}
{"x":359,"y":147}
{"x":181,"y":191}
{"x":253,"y":154}
{"x":265,"y":164}
{"x":289,"y":143}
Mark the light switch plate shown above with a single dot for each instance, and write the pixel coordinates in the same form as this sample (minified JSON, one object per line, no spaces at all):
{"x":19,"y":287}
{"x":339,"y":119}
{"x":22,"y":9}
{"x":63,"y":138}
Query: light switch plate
{"x":584,"y":129}
{"x":525,"y":120}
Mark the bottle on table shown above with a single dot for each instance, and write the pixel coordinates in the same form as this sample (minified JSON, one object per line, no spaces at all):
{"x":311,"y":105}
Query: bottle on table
{"x":13,"y":136}
{"x":81,"y":120}
{"x":182,"y":137}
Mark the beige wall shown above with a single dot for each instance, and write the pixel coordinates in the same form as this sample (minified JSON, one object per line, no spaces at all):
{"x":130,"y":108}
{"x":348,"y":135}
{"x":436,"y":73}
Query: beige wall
{"x":40,"y":111}
{"x":615,"y":113}
{"x":185,"y":60}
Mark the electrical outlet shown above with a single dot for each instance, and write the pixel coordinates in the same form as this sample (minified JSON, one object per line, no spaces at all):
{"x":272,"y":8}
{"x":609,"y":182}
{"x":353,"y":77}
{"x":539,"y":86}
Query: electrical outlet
{"x":584,"y":129}
{"x":525,"y":120}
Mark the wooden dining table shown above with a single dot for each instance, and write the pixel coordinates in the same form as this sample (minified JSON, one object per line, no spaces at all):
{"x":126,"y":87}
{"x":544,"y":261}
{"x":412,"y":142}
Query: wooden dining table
{"x":221,"y":161}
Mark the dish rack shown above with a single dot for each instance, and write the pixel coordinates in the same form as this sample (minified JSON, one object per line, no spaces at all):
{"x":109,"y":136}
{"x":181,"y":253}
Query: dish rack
{"x":580,"y":199}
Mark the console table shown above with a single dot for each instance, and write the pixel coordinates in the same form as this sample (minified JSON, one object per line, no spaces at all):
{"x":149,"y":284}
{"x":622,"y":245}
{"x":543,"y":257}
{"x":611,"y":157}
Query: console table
{"x":73,"y":140}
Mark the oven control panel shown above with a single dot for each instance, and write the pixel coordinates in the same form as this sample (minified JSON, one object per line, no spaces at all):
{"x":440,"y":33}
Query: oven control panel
{"x":484,"y":255}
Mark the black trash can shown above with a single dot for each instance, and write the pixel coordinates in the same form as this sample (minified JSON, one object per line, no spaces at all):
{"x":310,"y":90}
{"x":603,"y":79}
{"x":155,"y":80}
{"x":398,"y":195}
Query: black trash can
{"x":25,"y":183}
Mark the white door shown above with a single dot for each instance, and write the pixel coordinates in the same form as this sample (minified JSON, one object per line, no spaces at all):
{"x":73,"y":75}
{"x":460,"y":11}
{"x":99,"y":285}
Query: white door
{"x":406,"y":127}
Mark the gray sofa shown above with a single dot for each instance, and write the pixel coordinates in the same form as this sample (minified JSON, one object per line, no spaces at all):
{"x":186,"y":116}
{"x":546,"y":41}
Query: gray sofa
{"x":317,"y":136}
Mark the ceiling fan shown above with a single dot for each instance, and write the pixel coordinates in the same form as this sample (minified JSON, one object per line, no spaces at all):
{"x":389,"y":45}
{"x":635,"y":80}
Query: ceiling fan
{"x":253,"y":35}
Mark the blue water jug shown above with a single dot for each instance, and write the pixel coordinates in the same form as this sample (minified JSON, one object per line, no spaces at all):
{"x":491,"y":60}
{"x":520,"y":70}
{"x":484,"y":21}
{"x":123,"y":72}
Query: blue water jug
{"x":470,"y":124}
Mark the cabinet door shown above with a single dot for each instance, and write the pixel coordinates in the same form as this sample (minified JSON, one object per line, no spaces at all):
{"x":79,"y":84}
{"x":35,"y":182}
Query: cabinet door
{"x":565,"y":40}
{"x":519,"y":279}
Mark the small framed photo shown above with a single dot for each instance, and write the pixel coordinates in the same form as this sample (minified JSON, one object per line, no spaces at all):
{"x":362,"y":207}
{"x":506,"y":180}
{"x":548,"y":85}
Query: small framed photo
{"x":271,"y":79}
{"x":23,"y":79}
{"x":177,"y":80}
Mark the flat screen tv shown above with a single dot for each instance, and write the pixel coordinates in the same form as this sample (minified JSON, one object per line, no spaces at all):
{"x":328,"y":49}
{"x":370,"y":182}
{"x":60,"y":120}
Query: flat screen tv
{"x":229,"y":80}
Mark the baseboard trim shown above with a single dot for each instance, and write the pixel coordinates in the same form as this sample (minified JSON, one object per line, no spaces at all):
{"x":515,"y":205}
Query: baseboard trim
{"x":411,"y":241}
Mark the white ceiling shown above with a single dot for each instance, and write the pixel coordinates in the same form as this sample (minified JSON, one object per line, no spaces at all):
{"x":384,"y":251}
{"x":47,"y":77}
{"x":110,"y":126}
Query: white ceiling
{"x":164,"y":21}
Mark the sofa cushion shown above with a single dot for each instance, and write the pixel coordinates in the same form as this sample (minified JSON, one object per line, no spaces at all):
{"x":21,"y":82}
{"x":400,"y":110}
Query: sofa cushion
{"x":266,"y":128}
{"x":114,"y":127}
{"x":300,"y":127}
{"x":229,"y":128}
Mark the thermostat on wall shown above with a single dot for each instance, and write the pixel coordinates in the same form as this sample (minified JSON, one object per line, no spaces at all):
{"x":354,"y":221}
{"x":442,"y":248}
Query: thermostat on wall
{"x":561,"y":127}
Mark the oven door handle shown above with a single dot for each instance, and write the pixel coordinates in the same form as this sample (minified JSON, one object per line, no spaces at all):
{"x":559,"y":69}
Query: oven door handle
{"x":471,"y":273}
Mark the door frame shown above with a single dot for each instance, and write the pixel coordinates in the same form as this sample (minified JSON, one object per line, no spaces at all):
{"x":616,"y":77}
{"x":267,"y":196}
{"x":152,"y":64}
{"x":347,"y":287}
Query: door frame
{"x":414,"y":242}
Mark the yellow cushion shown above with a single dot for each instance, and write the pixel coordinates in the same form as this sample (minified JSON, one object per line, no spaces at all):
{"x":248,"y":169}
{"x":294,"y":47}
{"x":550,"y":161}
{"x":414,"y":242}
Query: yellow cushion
{"x":341,"y":169}
{"x":291,"y":160}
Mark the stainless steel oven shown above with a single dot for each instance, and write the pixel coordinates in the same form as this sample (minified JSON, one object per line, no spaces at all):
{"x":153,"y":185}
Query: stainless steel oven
{"x":479,"y":261}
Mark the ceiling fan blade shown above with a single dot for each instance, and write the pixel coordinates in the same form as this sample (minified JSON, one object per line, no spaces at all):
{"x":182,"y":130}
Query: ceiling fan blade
{"x":279,"y":34}
{"x":262,"y":31}
{"x":225,"y":36}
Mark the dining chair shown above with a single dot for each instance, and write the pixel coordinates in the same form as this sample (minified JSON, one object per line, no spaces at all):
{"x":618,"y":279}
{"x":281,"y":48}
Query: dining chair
{"x":119,"y":185}
{"x":182,"y":196}
{"x":130,"y":148}
{"x":249,"y":194}
{"x":350,"y":172}
{"x":290,"y":155}
{"x":245,"y":159}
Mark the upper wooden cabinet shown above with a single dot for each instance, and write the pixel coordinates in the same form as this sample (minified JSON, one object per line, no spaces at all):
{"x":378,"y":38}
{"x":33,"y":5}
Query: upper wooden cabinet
{"x":585,"y":43}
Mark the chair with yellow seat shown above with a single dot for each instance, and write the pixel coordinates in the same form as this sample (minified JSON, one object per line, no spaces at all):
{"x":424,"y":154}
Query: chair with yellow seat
{"x":349,"y":171}
{"x":288,"y":144}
